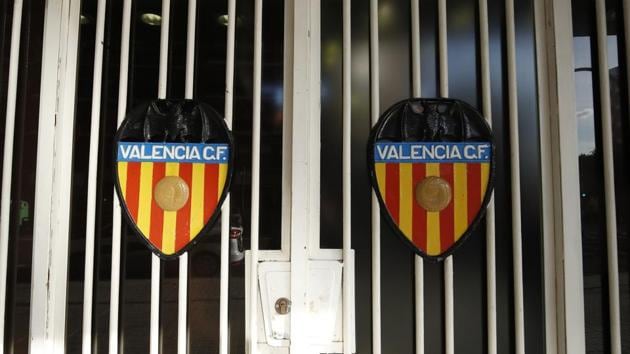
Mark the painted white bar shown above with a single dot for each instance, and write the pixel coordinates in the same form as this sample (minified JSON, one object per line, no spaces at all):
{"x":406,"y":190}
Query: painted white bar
{"x":114,"y":297}
{"x":7,"y":159}
{"x":449,"y":325}
{"x":154,"y":322}
{"x":182,"y":304}
{"x":546,"y":167}
{"x":287,"y":128}
{"x":626,"y":27}
{"x":306,"y":95}
{"x":517,"y":243}
{"x":566,"y":183}
{"x":375,"y":111}
{"x":415,"y":49}
{"x":609,"y":177}
{"x":191,"y":26}
{"x":88,"y":282}
{"x":417,"y":92}
{"x":442,"y":49}
{"x":53,"y":177}
{"x":565,"y":173}
{"x":224,"y":340}
{"x":255,"y":198}
{"x":347,"y":177}
{"x":314,"y":90}
{"x":163,"y":64}
{"x":486,"y":96}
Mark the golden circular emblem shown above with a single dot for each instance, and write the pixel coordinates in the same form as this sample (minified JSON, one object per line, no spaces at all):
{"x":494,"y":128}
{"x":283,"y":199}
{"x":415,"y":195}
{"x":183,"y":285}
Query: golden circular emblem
{"x":433,"y":193}
{"x":171,"y":193}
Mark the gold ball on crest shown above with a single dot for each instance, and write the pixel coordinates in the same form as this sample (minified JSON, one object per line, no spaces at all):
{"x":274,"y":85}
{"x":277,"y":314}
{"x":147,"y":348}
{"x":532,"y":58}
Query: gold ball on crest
{"x":171,"y":193}
{"x":433,"y":193}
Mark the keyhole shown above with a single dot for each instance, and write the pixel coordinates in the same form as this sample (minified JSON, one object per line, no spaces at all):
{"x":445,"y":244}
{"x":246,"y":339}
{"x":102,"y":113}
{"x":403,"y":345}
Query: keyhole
{"x":283,"y":306}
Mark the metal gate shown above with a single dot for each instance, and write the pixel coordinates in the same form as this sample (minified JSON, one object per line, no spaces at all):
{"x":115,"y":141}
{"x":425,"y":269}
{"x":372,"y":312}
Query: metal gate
{"x":300,"y":83}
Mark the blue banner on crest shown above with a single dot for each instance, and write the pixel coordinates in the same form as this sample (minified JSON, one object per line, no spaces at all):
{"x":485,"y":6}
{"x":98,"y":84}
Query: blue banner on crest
{"x":173,"y":152}
{"x":432,"y":152}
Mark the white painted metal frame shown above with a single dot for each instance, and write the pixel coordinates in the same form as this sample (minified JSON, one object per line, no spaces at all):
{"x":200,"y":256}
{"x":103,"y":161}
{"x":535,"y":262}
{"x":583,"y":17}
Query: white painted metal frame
{"x":348,"y":271}
{"x":449,"y":294}
{"x":490,"y":226}
{"x":7,"y":158}
{"x":486,"y":108}
{"x":609,"y":176}
{"x":114,"y":302}
{"x":225,"y":209}
{"x":287,"y":138}
{"x":53,"y":177}
{"x":375,"y":112}
{"x":626,"y":28}
{"x":90,"y":231}
{"x":305,"y":161}
{"x":564,"y":299}
{"x":182,"y":301}
{"x":154,"y":321}
{"x":563,"y":293}
{"x":490,"y":219}
{"x":255,"y":198}
{"x":551,"y":332}
{"x":515,"y":180}
{"x":301,"y":197}
{"x":418,"y":262}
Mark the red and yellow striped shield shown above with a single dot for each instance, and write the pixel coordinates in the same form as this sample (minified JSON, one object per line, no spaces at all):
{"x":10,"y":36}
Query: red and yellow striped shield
{"x":203,"y":168}
{"x":432,"y":232}
{"x":431,"y":165}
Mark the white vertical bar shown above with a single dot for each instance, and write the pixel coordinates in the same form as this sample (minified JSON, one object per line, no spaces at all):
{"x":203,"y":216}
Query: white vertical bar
{"x":7,"y":161}
{"x":163,"y":65}
{"x":626,"y":24}
{"x":182,"y":304}
{"x":449,"y":326}
{"x":304,"y":191}
{"x":566,"y":183}
{"x":442,"y":49}
{"x":314,"y":90}
{"x":486,"y":96}
{"x":88,"y":284}
{"x":190,"y":49}
{"x":255,"y":201}
{"x":417,"y":92}
{"x":154,"y":324}
{"x":609,"y":177}
{"x":287,"y":128}
{"x":415,"y":49}
{"x":449,"y":311}
{"x":375,"y":111}
{"x":53,"y":186}
{"x":347,"y":176}
{"x":225,"y":210}
{"x":517,"y":246}
{"x":551,"y":312}
{"x":114,"y":297}
{"x":626,"y":27}
{"x":419,"y":303}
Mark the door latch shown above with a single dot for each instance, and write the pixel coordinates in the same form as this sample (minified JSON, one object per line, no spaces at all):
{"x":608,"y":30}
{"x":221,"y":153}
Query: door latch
{"x":283,"y":306}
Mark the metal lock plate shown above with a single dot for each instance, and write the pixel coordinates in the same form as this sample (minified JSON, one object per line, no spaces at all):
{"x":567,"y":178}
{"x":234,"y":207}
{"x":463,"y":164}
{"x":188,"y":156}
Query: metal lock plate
{"x":283,"y":306}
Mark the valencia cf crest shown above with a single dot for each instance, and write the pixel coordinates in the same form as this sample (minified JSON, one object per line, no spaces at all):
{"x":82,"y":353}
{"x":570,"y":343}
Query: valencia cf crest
{"x":431,"y":164}
{"x":173,"y":169}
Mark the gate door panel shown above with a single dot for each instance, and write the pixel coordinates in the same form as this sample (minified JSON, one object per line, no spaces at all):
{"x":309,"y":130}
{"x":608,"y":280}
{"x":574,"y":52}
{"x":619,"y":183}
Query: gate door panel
{"x":302,"y":256}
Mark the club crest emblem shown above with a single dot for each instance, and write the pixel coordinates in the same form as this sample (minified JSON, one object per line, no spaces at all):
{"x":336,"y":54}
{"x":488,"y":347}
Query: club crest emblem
{"x":173,"y":169}
{"x":431,"y":165}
